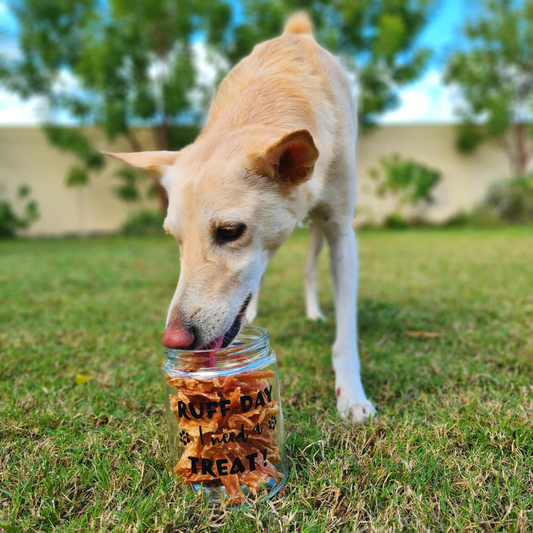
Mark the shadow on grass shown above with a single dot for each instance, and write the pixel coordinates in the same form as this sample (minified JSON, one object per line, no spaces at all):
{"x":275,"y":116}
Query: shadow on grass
{"x":374,"y":319}
{"x":396,"y":367}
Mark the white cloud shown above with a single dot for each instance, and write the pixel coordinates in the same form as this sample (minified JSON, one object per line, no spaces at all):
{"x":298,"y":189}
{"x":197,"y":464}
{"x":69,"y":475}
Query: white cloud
{"x":15,"y":111}
{"x":35,"y":110}
{"x":209,"y":64}
{"x":4,"y":10}
{"x":427,"y":100}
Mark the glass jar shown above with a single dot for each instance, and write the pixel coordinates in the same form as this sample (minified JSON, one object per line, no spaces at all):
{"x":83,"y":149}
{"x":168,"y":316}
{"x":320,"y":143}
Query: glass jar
{"x":225,"y":420}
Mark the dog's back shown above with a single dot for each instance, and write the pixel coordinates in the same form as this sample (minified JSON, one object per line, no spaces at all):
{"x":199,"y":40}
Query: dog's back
{"x":286,"y":84}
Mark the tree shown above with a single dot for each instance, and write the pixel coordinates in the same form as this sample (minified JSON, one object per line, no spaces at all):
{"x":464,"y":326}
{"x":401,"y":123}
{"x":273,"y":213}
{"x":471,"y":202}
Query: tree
{"x":117,"y":64}
{"x":125,"y":63}
{"x":494,"y":74}
{"x":377,"y":39}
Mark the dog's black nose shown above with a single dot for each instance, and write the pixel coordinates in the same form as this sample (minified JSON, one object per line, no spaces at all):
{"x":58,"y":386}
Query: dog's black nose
{"x":177,"y":336}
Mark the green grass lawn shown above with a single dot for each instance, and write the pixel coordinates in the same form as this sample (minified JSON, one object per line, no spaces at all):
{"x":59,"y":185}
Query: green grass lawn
{"x":452,"y":449}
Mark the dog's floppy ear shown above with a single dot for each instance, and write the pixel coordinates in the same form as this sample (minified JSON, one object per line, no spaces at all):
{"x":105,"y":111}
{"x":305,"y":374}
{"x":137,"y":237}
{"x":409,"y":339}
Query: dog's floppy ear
{"x":290,"y":160}
{"x":155,"y":161}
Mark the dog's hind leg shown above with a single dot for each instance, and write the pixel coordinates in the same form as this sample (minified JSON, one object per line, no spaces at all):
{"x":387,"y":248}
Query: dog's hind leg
{"x":311,"y":274}
{"x":251,"y":311}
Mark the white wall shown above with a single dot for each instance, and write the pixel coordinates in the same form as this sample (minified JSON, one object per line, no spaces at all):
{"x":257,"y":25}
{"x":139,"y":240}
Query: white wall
{"x":26,"y":157}
{"x":465,"y":178}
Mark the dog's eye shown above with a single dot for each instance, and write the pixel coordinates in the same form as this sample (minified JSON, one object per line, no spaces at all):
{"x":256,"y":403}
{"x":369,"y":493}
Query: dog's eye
{"x":229,"y":233}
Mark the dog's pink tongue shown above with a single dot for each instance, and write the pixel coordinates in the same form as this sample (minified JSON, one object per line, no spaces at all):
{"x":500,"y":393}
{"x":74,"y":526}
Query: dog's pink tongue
{"x":213,"y":347}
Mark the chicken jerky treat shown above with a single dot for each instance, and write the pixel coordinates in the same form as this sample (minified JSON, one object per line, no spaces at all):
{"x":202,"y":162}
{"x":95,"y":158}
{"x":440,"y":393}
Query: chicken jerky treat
{"x":225,"y":419}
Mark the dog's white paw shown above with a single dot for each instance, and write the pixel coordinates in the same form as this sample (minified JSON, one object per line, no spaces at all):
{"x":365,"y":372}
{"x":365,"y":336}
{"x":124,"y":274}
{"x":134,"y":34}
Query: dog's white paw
{"x":315,"y":315}
{"x":358,"y":411}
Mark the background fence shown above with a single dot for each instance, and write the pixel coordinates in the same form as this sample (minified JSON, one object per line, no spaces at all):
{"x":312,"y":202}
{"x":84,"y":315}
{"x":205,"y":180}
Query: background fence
{"x":27,"y":158}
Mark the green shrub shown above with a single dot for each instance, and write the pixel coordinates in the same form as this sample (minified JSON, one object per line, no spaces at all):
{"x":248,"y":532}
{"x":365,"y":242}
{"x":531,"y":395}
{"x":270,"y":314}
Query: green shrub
{"x":10,"y":221}
{"x":395,"y":221}
{"x":508,"y":201}
{"x":411,"y":183}
{"x":511,"y":200}
{"x":461,"y":219}
{"x":479,"y":217}
{"x":144,"y":222}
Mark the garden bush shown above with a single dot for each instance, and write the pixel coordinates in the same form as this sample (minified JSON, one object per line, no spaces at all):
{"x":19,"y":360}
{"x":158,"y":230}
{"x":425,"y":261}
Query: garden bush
{"x":144,"y":222}
{"x":409,"y":182}
{"x":511,"y":200}
{"x":10,"y":221}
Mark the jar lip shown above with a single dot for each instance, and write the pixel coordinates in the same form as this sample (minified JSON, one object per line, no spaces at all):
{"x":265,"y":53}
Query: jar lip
{"x":260,"y":336}
{"x":237,"y":357}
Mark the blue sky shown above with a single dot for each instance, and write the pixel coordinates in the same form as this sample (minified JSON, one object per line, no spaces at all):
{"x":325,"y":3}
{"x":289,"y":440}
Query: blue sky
{"x":442,"y":29}
{"x":426,"y":100}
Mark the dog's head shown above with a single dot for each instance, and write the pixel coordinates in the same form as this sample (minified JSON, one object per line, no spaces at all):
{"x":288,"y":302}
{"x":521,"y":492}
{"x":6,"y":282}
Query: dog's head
{"x":233,"y":200}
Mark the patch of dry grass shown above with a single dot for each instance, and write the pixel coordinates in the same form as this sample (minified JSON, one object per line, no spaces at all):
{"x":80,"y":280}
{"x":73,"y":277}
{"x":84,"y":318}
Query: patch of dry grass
{"x":452,"y":447}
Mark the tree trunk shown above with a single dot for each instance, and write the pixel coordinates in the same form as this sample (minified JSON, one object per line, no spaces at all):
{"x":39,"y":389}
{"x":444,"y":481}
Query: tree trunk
{"x":156,"y":179}
{"x":160,"y":191}
{"x":522,"y":155}
{"x":134,"y":142}
{"x":161,"y":136}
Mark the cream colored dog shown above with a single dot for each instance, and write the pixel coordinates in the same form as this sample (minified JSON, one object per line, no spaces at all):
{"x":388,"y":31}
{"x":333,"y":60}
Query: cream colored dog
{"x":278,"y":149}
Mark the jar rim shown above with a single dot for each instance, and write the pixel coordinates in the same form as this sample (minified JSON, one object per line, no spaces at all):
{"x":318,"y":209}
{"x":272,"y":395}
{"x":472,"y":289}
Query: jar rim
{"x":253,"y":352}
{"x":262,"y":335}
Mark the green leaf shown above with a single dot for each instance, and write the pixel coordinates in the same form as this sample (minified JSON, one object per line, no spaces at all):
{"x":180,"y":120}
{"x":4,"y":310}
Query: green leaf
{"x":77,"y":177}
{"x":31,"y":212}
{"x":75,"y":142}
{"x":24,"y":191}
{"x":128,"y":192}
{"x":10,"y":220}
{"x":9,"y":528}
{"x":80,"y":379}
{"x":390,"y":32}
{"x":469,"y":136}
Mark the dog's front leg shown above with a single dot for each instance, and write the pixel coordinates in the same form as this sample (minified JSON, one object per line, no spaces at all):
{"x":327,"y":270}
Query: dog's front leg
{"x":351,"y":398}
